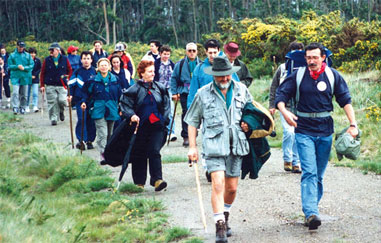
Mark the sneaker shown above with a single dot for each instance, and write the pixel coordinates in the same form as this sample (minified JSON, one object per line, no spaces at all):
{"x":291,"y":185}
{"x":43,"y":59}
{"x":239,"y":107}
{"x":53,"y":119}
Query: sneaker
{"x":313,"y":222}
{"x":8,"y":106}
{"x":54,"y":123}
{"x":140,"y":186}
{"x":221,"y":236}
{"x":208,"y":176}
{"x":27,"y":110}
{"x":288,"y":166}
{"x":90,"y":145}
{"x":62,"y":116}
{"x":80,"y":145}
{"x":22,"y":111}
{"x":186,"y":142}
{"x":35,"y":109}
{"x":160,"y":185}
{"x":15,"y":111}
{"x":228,"y":229}
{"x":173,"y":138}
{"x":296,"y":169}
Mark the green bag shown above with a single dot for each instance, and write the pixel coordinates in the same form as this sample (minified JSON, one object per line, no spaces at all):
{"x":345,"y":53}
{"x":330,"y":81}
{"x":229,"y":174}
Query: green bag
{"x":347,"y":146}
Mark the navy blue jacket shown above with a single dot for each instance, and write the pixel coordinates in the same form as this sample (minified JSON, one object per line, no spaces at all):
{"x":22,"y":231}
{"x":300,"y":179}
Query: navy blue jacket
{"x":36,"y":71}
{"x":97,"y":56}
{"x":52,"y":74}
{"x":312,"y":100}
{"x":75,"y":61}
{"x":123,"y":82}
{"x":77,"y":81}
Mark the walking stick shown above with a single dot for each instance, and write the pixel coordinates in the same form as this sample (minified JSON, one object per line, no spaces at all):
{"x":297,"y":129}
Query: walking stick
{"x":173,"y":119}
{"x":43,"y":102}
{"x":70,"y":119}
{"x":82,"y":128}
{"x":199,"y":192}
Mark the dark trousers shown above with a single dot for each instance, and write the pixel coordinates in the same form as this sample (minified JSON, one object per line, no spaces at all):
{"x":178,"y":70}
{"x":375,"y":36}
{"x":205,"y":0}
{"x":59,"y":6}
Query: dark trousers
{"x":184,"y":125}
{"x":7,"y":89}
{"x":89,"y":130}
{"x":148,"y":143}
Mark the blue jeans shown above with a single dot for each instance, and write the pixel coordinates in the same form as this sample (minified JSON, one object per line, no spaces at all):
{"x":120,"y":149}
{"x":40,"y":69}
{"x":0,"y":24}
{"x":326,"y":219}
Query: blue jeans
{"x":34,"y":89}
{"x":89,"y":131}
{"x":313,"y":154}
{"x":290,"y":151}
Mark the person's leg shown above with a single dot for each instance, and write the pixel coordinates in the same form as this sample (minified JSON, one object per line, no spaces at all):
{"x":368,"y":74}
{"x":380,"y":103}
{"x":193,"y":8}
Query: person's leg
{"x":7,"y":91}
{"x":155,"y":168}
{"x":28,"y":94}
{"x":15,"y":101}
{"x":184,"y":125}
{"x":78,"y":126}
{"x":35,"y":96}
{"x":51,"y":97}
{"x":101,"y":126}
{"x":139,"y":158}
{"x":62,"y":101}
{"x":110,"y":129}
{"x":323,"y":149}
{"x":173,"y":136}
{"x":23,"y":96}
{"x":90,"y":125}
{"x":287,"y":144}
{"x":309,"y":192}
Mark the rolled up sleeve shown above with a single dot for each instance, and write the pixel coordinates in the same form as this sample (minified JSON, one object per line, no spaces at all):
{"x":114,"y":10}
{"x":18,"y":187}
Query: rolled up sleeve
{"x":194,"y":114}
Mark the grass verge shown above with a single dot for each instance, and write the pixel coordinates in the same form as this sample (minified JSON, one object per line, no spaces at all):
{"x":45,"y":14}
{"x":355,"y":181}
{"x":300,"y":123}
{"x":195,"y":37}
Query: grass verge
{"x":49,"y":194}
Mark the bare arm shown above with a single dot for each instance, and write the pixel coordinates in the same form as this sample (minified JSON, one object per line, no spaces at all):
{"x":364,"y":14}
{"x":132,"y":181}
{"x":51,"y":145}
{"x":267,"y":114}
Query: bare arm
{"x":192,"y":153}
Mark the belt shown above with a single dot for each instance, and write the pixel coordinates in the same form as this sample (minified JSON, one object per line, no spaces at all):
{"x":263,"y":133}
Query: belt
{"x":313,"y":114}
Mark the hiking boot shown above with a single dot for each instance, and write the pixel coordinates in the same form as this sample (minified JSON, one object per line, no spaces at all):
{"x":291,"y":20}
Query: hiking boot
{"x":62,"y":116}
{"x":208,"y":176}
{"x":22,"y":111}
{"x":54,"y":123}
{"x":186,"y":142}
{"x":15,"y":111}
{"x":160,"y":185}
{"x":27,"y":110}
{"x":221,"y":236}
{"x":313,"y":222}
{"x":90,"y":145}
{"x":228,"y":229}
{"x":288,"y":166}
{"x":80,"y":146}
{"x":296,"y":169}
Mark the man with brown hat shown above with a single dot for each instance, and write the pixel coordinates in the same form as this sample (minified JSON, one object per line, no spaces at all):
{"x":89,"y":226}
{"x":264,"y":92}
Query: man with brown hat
{"x":218,"y":105}
{"x":232,"y":52}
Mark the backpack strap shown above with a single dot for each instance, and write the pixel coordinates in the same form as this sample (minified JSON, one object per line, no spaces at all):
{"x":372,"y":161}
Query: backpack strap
{"x":331,"y":78}
{"x":299,"y":77}
{"x":283,"y":73}
{"x":181,"y":66}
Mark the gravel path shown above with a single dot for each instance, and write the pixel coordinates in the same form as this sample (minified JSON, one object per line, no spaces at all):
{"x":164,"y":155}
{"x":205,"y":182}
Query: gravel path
{"x":267,"y":209}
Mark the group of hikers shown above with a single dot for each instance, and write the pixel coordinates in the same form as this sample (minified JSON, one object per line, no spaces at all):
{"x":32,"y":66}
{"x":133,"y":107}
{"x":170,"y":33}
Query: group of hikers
{"x":214,"y":97}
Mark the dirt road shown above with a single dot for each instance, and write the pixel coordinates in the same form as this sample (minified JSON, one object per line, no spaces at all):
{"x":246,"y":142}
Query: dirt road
{"x":267,"y":209}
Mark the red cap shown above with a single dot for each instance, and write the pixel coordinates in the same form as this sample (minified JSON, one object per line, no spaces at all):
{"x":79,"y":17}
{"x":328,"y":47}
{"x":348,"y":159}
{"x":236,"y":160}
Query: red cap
{"x":70,"y":49}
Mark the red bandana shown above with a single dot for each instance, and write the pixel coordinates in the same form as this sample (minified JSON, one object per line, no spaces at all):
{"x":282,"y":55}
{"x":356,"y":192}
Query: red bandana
{"x":316,"y":74}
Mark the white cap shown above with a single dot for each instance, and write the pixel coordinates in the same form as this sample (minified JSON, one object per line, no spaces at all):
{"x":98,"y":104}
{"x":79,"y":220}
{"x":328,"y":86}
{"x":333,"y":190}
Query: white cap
{"x":191,"y":45}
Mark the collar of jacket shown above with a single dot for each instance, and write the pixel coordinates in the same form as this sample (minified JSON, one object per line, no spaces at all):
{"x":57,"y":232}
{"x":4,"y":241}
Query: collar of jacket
{"x":111,"y":77}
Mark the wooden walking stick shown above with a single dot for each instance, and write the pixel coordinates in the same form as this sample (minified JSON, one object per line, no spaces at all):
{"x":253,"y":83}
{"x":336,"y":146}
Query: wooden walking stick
{"x":199,"y":193}
{"x":70,"y":119}
{"x":82,"y":128}
{"x":173,"y":119}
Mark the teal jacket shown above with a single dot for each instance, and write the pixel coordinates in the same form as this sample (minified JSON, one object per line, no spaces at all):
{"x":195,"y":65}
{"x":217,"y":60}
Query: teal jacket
{"x":259,"y":147}
{"x":20,"y":77}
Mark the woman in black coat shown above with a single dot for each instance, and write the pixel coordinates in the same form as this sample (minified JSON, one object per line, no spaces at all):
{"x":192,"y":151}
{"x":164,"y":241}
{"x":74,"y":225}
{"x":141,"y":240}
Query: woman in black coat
{"x":147,"y":103}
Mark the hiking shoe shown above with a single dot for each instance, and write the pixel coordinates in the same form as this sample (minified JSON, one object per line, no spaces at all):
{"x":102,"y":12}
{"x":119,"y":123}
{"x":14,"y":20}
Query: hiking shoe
{"x":35,"y":109}
{"x":313,"y":222}
{"x":228,"y":229}
{"x":22,"y":111}
{"x":62,"y":116}
{"x":27,"y":110}
{"x":160,"y":185}
{"x":208,"y":176}
{"x":90,"y":145}
{"x":287,"y":166}
{"x":173,"y":138}
{"x":140,"y":186}
{"x":186,"y":142}
{"x":80,"y":146}
{"x":221,"y":236}
{"x":15,"y":111}
{"x":54,"y":123}
{"x":296,"y":169}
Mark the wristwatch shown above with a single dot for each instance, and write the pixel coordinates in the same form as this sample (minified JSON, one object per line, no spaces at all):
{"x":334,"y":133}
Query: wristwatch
{"x":353,"y":125}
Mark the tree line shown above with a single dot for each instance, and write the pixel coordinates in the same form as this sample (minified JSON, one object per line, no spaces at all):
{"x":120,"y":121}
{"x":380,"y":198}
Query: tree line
{"x":170,"y":21}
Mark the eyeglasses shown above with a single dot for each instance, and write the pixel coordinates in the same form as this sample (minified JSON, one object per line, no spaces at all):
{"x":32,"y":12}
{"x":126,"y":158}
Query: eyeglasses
{"x":192,"y":50}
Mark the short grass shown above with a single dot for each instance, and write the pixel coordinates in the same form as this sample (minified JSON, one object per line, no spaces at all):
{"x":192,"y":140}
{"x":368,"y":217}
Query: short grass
{"x":364,"y":94}
{"x":51,"y":194}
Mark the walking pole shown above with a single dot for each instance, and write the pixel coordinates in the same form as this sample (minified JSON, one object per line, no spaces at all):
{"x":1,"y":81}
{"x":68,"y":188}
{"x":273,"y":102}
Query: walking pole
{"x":70,"y":119}
{"x":173,"y":119}
{"x":82,"y":128}
{"x":199,"y":192}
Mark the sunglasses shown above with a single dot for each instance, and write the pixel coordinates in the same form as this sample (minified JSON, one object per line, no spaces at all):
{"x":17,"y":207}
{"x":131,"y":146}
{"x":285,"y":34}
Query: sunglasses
{"x":192,"y":50}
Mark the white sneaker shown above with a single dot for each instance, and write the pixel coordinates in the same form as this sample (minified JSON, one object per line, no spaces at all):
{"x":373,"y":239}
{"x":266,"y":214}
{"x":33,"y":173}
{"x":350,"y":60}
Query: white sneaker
{"x":27,"y":110}
{"x":35,"y":109}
